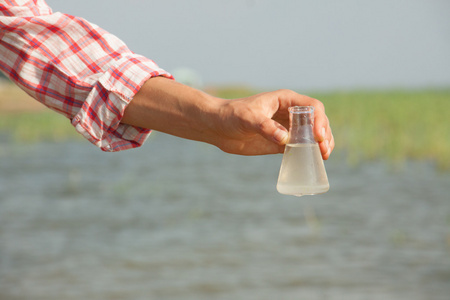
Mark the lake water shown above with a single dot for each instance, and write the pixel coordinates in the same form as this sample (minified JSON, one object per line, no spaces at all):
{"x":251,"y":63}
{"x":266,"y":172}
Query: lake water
{"x":182,"y":220}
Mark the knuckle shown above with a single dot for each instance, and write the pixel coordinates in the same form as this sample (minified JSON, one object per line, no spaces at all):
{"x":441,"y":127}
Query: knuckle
{"x":264,"y":126}
{"x":287,"y":92}
{"x":318,"y":104}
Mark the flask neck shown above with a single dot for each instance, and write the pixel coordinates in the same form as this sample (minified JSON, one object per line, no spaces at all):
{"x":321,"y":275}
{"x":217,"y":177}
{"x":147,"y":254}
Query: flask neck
{"x":301,"y":125}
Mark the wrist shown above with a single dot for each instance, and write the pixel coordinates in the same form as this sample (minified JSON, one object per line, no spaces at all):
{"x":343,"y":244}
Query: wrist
{"x":176,"y":109}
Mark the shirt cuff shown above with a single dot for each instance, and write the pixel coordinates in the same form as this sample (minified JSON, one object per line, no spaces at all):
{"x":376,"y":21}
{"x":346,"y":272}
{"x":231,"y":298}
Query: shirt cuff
{"x":99,"y":119}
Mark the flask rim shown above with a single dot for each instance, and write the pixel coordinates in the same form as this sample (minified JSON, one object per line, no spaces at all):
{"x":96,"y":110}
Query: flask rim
{"x":301,"y":109}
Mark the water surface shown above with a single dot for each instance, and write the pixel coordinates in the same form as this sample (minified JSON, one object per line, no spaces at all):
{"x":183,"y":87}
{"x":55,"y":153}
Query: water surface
{"x":182,"y":220}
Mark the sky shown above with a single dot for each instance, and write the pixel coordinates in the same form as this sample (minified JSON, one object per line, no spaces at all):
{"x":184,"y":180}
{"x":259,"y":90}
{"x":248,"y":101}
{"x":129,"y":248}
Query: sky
{"x":271,"y":44}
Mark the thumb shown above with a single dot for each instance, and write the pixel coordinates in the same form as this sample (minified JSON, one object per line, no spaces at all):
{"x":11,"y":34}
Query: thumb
{"x":274,"y":132}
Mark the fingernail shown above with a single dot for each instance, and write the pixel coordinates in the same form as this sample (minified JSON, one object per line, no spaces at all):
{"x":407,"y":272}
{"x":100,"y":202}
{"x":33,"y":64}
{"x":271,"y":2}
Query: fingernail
{"x":328,"y":148}
{"x":280,"y":136}
{"x":323,"y":133}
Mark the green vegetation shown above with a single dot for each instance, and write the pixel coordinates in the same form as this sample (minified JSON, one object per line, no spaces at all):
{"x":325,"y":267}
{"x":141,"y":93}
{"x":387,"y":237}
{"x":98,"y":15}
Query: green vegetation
{"x":26,"y":120}
{"x":391,"y":125}
{"x":395,"y":125}
{"x":36,"y":126}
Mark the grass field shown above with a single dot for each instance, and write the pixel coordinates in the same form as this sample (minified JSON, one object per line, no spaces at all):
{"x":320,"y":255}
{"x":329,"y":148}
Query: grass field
{"x":24,"y":119}
{"x":396,"y":125}
{"x":391,"y":125}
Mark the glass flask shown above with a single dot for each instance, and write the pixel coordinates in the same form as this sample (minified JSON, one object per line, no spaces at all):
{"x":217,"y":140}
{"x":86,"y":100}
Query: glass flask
{"x":302,"y":169}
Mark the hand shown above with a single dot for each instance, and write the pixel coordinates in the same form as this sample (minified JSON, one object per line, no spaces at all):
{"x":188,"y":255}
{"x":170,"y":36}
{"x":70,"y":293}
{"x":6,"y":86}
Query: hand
{"x":257,"y":124}
{"x":254,"y":125}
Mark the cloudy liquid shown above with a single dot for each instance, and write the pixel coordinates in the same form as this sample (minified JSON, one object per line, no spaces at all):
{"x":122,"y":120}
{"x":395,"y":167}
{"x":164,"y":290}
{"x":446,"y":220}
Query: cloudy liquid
{"x":302,"y":171}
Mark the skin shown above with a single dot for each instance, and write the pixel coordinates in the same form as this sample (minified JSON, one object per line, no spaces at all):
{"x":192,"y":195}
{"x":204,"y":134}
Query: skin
{"x":253,"y":125}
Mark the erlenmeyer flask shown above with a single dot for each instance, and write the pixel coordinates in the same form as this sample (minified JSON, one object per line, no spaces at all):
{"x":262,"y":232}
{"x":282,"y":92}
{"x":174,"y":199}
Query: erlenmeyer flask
{"x":302,"y":170}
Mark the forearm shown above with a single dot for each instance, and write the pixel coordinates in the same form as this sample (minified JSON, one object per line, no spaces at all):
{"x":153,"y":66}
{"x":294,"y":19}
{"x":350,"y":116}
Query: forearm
{"x":248,"y":126}
{"x":176,"y":109}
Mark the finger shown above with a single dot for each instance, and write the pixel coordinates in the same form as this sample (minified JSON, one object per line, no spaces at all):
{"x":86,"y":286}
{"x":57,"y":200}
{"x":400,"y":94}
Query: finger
{"x":290,"y":98}
{"x":274,"y":132}
{"x":321,"y":126}
{"x":324,"y":148}
{"x":327,"y":145}
{"x":331,"y":144}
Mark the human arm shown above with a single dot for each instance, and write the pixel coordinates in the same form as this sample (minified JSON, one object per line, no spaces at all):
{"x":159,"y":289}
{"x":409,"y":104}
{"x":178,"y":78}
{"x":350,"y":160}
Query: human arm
{"x":76,"y":69}
{"x":254,"y":125}
{"x":114,"y":97}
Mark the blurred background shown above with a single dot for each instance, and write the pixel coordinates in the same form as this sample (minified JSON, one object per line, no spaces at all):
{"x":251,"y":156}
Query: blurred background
{"x":177,"y":219}
{"x":305,"y":45}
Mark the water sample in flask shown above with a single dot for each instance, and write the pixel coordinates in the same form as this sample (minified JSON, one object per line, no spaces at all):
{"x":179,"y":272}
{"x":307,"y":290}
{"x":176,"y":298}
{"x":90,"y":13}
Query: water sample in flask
{"x":302,"y":169}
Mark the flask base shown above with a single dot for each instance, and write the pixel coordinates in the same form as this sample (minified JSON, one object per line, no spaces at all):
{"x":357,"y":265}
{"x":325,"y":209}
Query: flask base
{"x":296,"y":190}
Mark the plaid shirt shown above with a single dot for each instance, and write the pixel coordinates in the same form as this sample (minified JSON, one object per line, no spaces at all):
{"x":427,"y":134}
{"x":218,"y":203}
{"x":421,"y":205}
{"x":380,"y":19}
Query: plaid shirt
{"x":75,"y":68}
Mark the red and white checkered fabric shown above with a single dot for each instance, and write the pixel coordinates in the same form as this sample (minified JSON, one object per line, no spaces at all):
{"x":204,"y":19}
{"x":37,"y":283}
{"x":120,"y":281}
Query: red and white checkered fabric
{"x":75,"y":68}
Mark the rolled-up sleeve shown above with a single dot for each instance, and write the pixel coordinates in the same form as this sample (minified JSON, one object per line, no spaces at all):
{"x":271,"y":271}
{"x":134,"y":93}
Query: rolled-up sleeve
{"x":75,"y":68}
